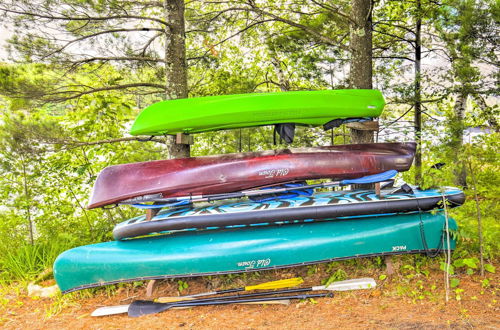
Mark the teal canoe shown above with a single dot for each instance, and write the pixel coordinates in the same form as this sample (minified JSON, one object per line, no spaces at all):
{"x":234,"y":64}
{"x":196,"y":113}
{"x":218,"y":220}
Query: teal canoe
{"x":213,"y":252}
{"x":211,"y":113}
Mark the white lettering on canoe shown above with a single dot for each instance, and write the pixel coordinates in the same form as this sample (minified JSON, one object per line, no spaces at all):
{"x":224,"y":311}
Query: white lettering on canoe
{"x":254,"y":263}
{"x":274,"y":172}
{"x":399,"y":248}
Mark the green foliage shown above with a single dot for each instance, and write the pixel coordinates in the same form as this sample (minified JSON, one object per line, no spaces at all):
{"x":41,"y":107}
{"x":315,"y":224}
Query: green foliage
{"x":46,"y":116}
{"x":182,"y":285}
{"x":490,"y":268}
{"x":338,"y":275}
{"x":450,"y":269}
{"x":25,"y":262}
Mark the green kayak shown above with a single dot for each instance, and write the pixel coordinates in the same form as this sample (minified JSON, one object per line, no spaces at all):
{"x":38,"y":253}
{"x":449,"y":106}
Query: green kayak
{"x":211,"y":113}
{"x":252,"y":248}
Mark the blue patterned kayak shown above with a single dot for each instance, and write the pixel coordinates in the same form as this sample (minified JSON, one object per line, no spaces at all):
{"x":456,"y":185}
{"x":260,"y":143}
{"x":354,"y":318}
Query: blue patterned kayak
{"x":197,"y":253}
{"x":319,"y":206}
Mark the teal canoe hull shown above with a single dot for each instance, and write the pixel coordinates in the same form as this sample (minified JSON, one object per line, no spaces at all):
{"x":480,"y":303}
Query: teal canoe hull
{"x":211,"y":252}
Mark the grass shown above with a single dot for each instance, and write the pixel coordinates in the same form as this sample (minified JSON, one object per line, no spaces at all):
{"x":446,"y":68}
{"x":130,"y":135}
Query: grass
{"x":26,"y":262}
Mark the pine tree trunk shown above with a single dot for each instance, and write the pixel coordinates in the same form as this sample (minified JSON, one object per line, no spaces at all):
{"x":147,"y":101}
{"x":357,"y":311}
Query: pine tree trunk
{"x":488,"y":113}
{"x":175,"y":67}
{"x":361,"y":58}
{"x":284,"y":83}
{"x":457,"y":138}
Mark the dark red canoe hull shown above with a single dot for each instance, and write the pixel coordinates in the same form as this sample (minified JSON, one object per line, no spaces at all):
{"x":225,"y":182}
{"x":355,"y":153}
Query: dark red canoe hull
{"x":235,"y":172}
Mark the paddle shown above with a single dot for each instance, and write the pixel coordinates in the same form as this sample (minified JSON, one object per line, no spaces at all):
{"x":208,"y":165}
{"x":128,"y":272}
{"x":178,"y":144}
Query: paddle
{"x":287,"y":283}
{"x":355,"y":284}
{"x":120,"y":309}
{"x":176,"y":201}
{"x":144,"y":307}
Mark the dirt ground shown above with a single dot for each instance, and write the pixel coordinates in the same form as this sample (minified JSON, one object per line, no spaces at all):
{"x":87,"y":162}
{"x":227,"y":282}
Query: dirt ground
{"x":401,"y":301}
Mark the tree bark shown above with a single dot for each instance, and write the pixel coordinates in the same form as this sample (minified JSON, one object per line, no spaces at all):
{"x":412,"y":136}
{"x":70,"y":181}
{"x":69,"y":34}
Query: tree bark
{"x":418,"y":96}
{"x":284,"y":83}
{"x":175,"y":64}
{"x":457,"y":138}
{"x":27,"y":196}
{"x":361,"y":56}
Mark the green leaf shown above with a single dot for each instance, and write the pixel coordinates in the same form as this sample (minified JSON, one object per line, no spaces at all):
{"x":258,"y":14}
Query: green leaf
{"x":489,"y":268}
{"x":382,"y":277}
{"x":443,"y":267}
{"x":454,"y":282}
{"x":470,"y":262}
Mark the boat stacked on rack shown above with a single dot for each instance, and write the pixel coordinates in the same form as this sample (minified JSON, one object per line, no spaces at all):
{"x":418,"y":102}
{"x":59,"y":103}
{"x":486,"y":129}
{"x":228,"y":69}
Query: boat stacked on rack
{"x":253,"y":211}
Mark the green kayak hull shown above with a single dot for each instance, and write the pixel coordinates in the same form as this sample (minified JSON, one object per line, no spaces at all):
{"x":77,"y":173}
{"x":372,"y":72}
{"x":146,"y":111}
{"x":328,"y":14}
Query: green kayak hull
{"x":211,"y":113}
{"x":212,"y":252}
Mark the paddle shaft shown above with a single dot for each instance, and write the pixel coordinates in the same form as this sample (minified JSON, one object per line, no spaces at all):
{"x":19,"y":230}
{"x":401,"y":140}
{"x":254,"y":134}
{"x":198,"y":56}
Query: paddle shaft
{"x":384,"y":176}
{"x":239,"y":296}
{"x":141,"y":307}
{"x":354,"y":284}
{"x":279,"y":284}
{"x":215,"y":292}
{"x":120,"y":309}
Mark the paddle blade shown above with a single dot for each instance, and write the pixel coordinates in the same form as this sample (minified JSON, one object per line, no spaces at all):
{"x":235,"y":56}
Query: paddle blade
{"x":144,"y":307}
{"x":372,"y":178}
{"x":355,"y":284}
{"x":110,"y":310}
{"x":291,"y":282}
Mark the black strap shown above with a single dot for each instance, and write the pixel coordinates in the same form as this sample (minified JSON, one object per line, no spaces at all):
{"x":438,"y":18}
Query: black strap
{"x":146,"y":140}
{"x":404,"y":188}
{"x":337,"y":122}
{"x":286,"y":131}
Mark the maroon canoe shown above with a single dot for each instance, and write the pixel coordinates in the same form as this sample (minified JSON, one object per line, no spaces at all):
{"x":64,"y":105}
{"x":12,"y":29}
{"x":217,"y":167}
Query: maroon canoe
{"x":235,"y":172}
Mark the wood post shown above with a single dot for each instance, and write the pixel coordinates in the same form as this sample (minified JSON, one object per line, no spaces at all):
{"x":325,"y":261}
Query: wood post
{"x":364,"y":125}
{"x":149,"y":288}
{"x":150,"y":214}
{"x":181,"y":138}
{"x":389,"y":265}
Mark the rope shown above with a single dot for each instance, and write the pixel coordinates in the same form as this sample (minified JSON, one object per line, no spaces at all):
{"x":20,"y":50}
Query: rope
{"x":423,"y":237}
{"x":448,"y":249}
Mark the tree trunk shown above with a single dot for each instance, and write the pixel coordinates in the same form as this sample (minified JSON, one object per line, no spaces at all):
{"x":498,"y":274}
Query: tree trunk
{"x":27,"y":197}
{"x":418,"y":97}
{"x":175,"y":66}
{"x":457,"y":138}
{"x":282,"y":80}
{"x":487,"y":113}
{"x":361,"y":56}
